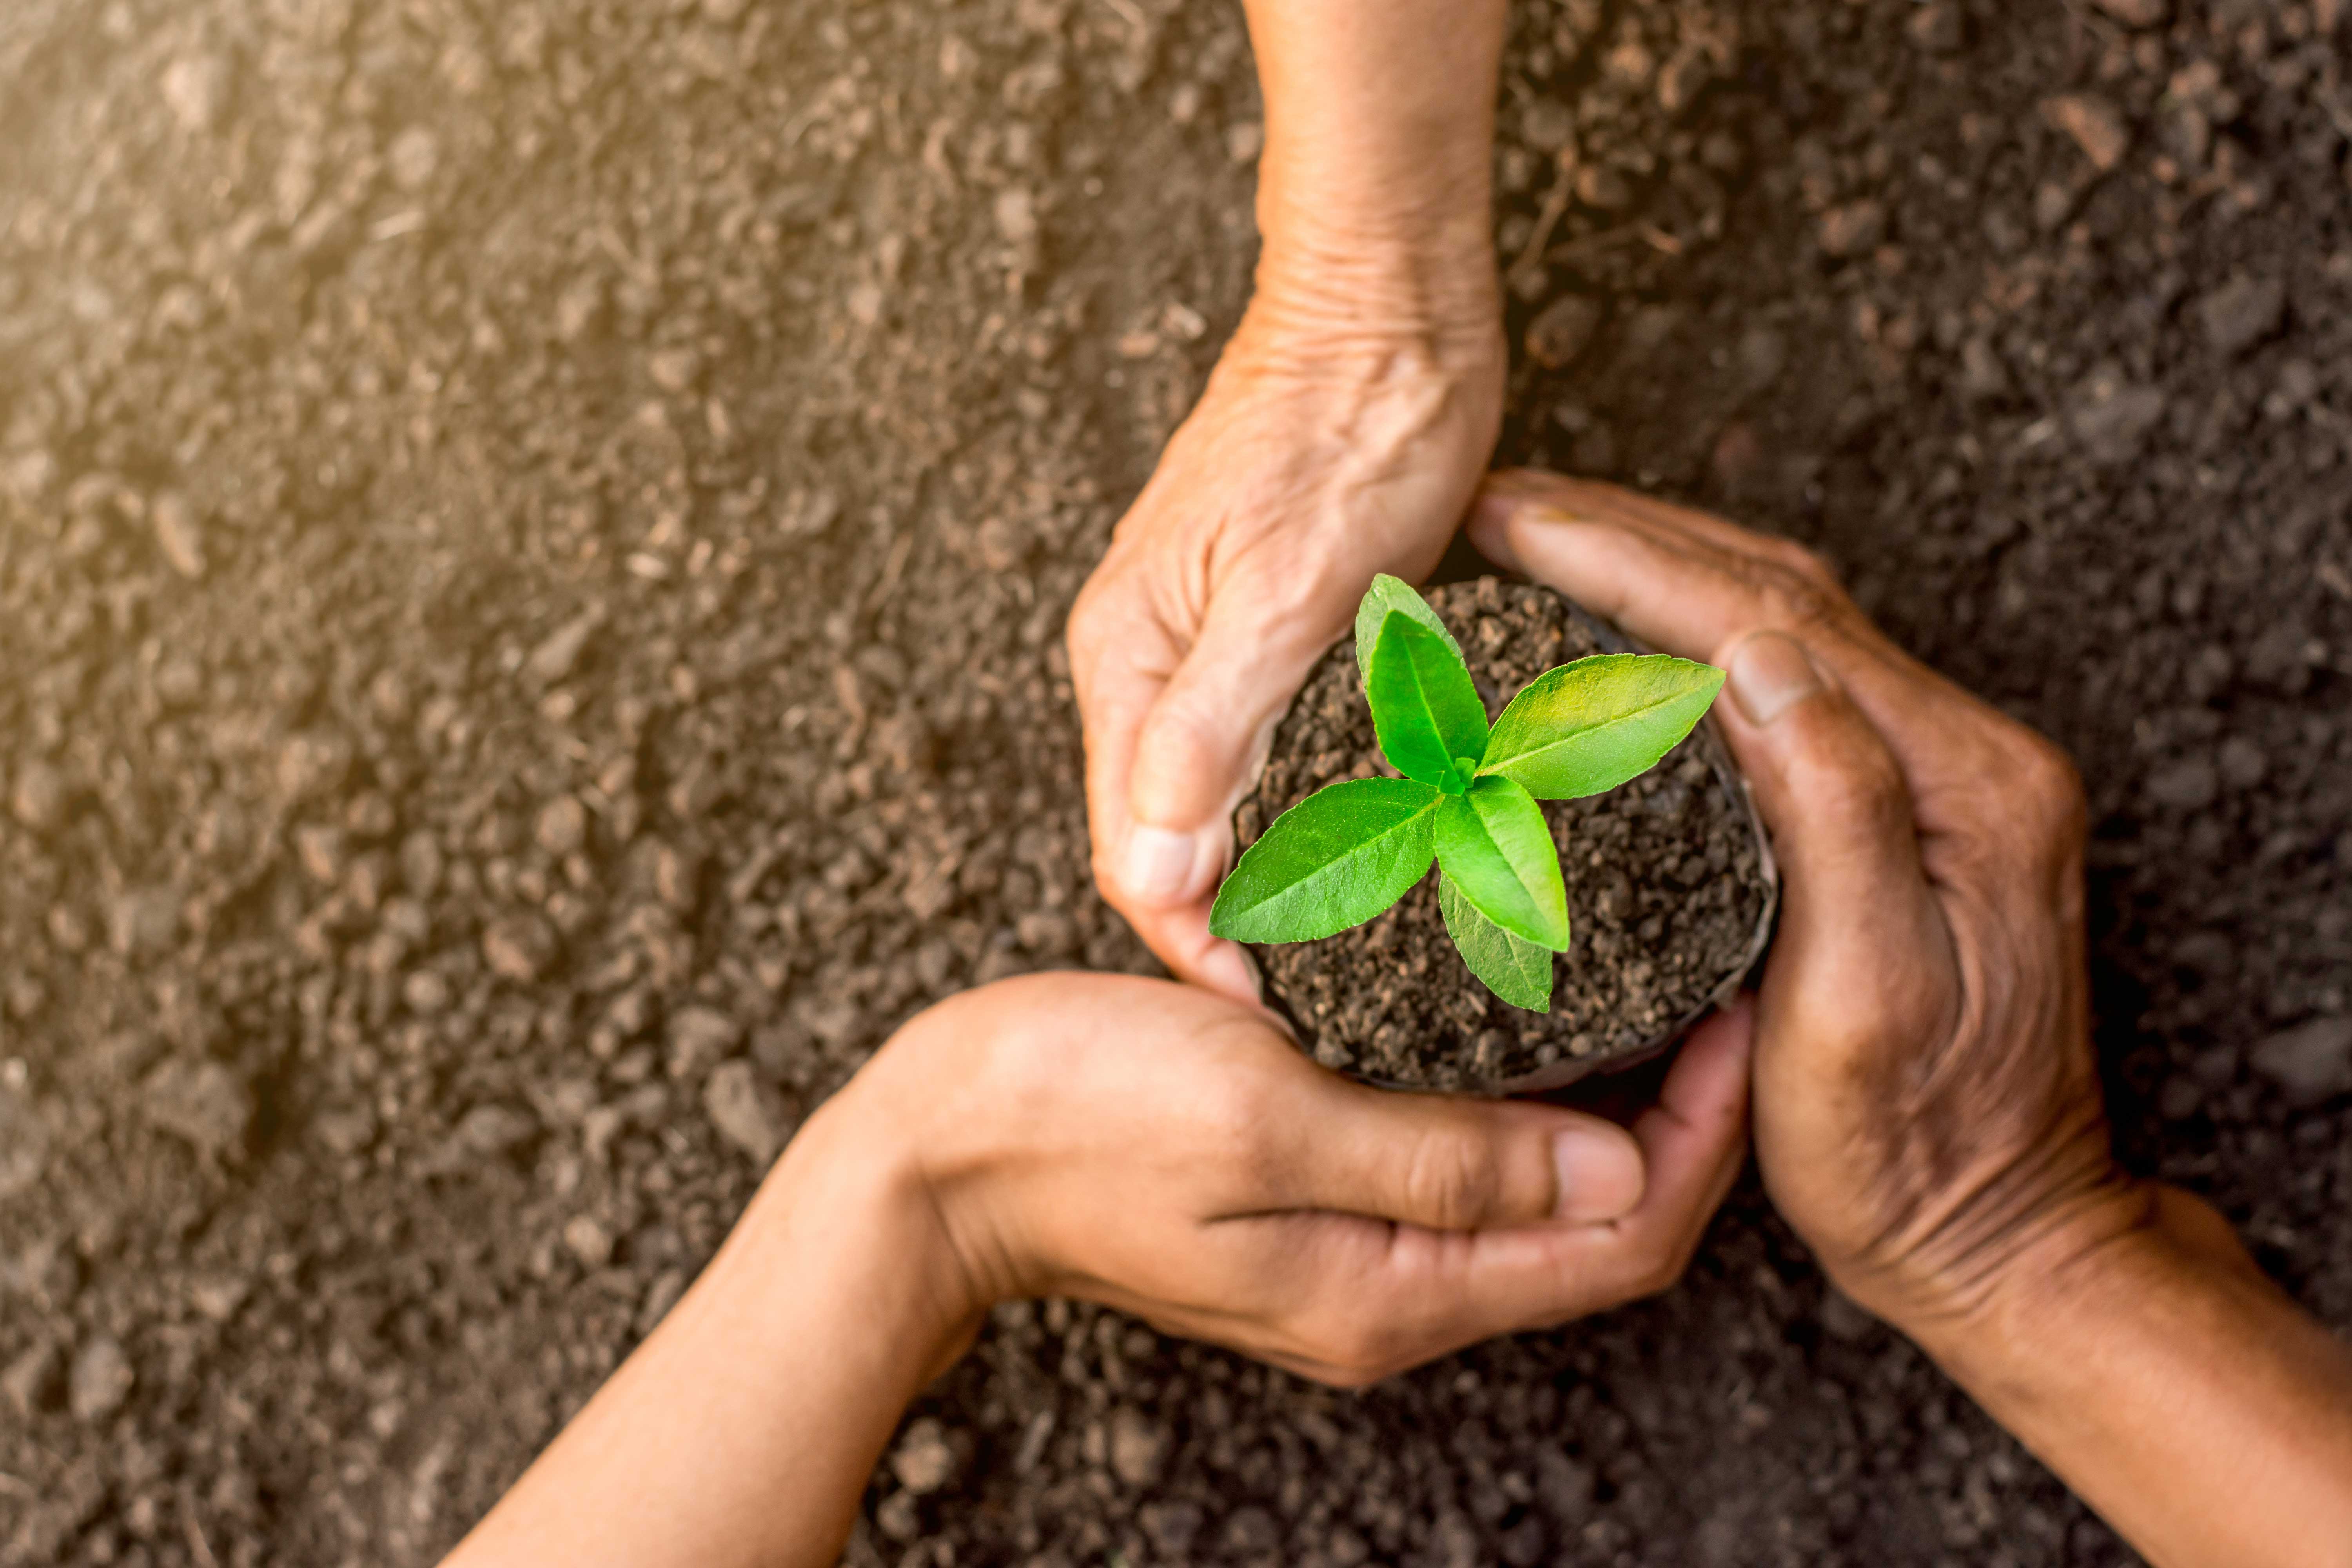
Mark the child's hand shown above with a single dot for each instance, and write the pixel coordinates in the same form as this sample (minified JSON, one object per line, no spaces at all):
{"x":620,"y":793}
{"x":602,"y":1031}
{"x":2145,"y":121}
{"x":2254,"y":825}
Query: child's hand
{"x":1169,"y":1153}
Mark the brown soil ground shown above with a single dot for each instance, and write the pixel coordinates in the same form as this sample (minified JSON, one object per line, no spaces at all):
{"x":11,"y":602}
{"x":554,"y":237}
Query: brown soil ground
{"x":533,"y":543}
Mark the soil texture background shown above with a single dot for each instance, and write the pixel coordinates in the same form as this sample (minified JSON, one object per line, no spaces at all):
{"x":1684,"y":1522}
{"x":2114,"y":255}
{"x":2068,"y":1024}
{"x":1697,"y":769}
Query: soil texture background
{"x":1666,"y":886}
{"x":534,"y":538}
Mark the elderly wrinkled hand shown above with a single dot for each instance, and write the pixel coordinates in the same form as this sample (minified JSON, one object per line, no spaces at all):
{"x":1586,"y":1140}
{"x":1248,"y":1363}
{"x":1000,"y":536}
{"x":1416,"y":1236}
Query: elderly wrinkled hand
{"x":1316,"y":459}
{"x":1927,"y":1106}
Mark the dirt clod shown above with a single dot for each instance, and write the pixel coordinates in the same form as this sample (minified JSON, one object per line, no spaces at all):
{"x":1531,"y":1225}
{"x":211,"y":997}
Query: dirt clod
{"x":746,"y":1111}
{"x":101,"y":1379}
{"x":205,"y":1103}
{"x":2241,"y":313}
{"x":2310,"y":1062}
{"x":924,"y":1460}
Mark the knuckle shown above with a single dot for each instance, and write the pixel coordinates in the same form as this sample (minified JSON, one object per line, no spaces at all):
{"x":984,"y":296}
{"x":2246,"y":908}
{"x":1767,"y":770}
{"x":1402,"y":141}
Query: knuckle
{"x":1356,"y":1349}
{"x":1798,"y":592}
{"x":1860,"y":787}
{"x":2052,"y":784}
{"x":1230,"y":1106}
{"x":1452,"y":1181}
{"x":1235,"y":1117}
{"x":2029,"y":805}
{"x":1810,"y":566}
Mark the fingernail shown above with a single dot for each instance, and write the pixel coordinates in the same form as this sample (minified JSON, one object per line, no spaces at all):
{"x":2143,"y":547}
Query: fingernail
{"x":1229,"y":968}
{"x":1156,"y":863}
{"x":1601,"y":1174}
{"x":1770,"y":675}
{"x":1499,"y":507}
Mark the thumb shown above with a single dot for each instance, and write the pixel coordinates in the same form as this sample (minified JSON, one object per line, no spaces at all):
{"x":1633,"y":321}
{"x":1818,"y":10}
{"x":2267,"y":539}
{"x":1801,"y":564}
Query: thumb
{"x":1863,"y":953}
{"x":1828,"y":786}
{"x":1448,"y":1162}
{"x":1202,"y":745}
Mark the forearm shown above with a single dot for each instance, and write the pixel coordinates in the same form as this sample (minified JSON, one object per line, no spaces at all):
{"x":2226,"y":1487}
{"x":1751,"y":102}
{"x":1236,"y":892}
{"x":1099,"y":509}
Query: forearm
{"x":1377,"y":176}
{"x":2179,"y":1393}
{"x":744,"y":1429}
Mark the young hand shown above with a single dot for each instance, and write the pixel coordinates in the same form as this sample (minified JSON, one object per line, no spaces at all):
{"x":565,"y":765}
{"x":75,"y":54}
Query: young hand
{"x":1169,"y":1153}
{"x":1126,"y":1140}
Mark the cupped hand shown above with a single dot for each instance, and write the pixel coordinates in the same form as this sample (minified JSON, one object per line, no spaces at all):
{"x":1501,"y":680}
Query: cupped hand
{"x":1332,"y":443}
{"x":1927,"y":1110}
{"x":1169,"y":1153}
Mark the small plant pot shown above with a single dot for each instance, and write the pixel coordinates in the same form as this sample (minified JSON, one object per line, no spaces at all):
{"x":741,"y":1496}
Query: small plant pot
{"x":1671,"y":888}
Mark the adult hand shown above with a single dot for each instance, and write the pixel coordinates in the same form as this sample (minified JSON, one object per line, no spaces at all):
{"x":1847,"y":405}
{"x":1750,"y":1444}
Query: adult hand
{"x":1127,"y":1140}
{"x":1342,"y":434}
{"x":1928,"y":1114}
{"x":1927,"y":1104}
{"x":1170,"y":1153}
{"x":1323,"y":452}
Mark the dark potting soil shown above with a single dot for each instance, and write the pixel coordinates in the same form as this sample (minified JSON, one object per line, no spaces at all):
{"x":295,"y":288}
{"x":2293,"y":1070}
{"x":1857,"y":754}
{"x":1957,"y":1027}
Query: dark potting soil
{"x":1668,"y":886}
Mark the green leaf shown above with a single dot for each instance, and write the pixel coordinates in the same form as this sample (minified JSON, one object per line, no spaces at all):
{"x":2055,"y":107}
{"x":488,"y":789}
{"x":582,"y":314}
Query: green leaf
{"x":1514,"y":969}
{"x":1425,"y":710}
{"x":1589,"y":726}
{"x":1495,"y":844}
{"x":1334,"y":860}
{"x":1388,"y":593}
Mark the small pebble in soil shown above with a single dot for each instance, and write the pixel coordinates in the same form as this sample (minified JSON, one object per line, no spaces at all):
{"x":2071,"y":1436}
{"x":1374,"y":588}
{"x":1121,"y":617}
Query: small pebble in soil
{"x":2095,"y":125}
{"x":203,"y":1102}
{"x":25,"y":1144}
{"x":2240,"y":313}
{"x":563,"y":826}
{"x":1562,"y":332}
{"x":101,"y":1379}
{"x":177,"y":534}
{"x":699,"y":1038}
{"x":1137,"y":1446}
{"x":519,"y":947}
{"x":746,"y":1111}
{"x":2309,"y":1063}
{"x":37,"y":800}
{"x":924,"y":1460}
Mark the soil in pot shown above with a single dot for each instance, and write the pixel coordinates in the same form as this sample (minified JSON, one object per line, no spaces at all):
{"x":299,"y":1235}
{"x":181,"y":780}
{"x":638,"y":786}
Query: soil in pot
{"x":1670,"y":885}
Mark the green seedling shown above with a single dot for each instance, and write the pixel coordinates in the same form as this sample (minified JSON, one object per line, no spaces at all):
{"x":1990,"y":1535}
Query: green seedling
{"x":1467,"y":799}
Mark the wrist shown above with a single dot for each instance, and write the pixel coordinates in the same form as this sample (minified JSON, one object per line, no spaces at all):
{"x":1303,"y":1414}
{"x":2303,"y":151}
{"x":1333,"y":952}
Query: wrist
{"x":849,"y":1201}
{"x":2140,"y":1239}
{"x":1337,"y":289}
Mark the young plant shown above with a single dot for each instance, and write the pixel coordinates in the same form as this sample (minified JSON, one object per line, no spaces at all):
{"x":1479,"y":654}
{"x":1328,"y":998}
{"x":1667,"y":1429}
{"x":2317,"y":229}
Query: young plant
{"x":1467,"y":798}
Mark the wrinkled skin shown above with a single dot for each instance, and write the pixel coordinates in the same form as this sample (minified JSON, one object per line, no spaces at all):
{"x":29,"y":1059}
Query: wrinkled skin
{"x":1322,"y":453}
{"x":1927,"y":1102}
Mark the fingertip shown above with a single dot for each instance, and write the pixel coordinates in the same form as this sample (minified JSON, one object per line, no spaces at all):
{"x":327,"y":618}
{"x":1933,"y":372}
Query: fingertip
{"x":1227,"y":969}
{"x":1506,"y":499}
{"x":1710,"y":1076}
{"x":1731,"y":1029}
{"x":1165,"y":868}
{"x":1601,"y":1172}
{"x":1769,"y":672}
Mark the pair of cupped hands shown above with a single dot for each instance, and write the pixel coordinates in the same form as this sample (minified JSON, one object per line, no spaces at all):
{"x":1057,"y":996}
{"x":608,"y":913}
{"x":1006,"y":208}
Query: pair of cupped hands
{"x":1916,"y":1071}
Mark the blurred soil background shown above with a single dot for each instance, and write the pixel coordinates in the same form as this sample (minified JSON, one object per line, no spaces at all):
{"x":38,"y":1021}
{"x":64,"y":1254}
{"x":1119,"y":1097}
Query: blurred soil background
{"x":534,"y":537}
